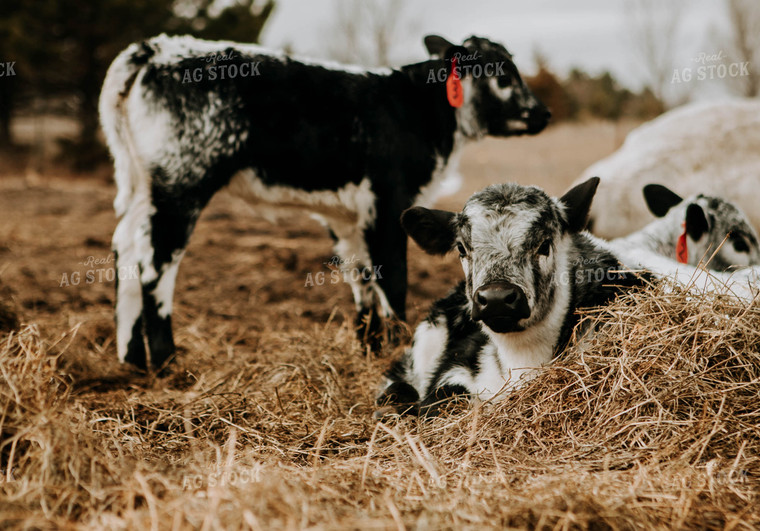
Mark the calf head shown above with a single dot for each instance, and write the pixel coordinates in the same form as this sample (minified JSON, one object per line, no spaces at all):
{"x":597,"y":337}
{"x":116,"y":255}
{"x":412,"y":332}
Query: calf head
{"x":514,"y":243}
{"x":707,"y":220}
{"x":496,"y":99}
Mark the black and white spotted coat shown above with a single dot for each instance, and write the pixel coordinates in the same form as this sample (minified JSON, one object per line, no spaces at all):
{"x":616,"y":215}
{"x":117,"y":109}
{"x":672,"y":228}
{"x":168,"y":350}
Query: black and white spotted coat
{"x":528,"y":267}
{"x":352,"y":147}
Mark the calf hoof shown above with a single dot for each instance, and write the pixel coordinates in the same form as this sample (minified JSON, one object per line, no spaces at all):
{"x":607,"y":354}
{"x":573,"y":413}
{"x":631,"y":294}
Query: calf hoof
{"x":161,"y":356}
{"x":160,"y":360}
{"x":443,"y":398}
{"x":398,"y":332}
{"x":399,"y":398}
{"x":136,"y":353}
{"x":386,"y":412}
{"x":161,"y":345}
{"x":375,"y":332}
{"x":370,"y":330}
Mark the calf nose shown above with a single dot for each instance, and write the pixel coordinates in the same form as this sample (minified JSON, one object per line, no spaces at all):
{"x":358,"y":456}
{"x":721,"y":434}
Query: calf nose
{"x":539,"y":118}
{"x":502,"y":301}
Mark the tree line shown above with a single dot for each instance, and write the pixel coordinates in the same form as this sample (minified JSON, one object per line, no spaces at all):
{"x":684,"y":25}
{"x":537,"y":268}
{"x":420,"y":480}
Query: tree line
{"x":61,"y":49}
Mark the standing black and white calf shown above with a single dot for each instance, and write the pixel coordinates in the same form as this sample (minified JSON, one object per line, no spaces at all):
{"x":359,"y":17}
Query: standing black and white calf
{"x":694,"y":229}
{"x":184,"y":118}
{"x":528,"y":267}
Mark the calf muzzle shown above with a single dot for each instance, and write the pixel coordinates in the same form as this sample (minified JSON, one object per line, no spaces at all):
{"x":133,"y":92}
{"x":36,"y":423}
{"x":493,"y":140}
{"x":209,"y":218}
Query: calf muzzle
{"x":500,"y":305}
{"x":538,"y":119}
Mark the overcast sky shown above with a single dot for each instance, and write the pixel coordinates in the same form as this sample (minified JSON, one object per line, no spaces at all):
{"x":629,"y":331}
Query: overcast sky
{"x":592,"y":34}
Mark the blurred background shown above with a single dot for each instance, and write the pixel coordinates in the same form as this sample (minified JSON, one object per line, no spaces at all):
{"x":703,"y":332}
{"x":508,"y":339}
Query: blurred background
{"x":609,"y":60}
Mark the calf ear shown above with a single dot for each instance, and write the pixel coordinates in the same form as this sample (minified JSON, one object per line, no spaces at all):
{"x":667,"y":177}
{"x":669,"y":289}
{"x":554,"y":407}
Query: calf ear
{"x":433,"y":230}
{"x":696,"y":221}
{"x":437,"y":45}
{"x":660,"y":199}
{"x":460,"y":52}
{"x":578,"y":203}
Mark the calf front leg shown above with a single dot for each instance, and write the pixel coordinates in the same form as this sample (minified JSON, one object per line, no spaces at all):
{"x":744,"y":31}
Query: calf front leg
{"x":356,"y":269}
{"x":387,"y":244}
{"x":373,"y":308}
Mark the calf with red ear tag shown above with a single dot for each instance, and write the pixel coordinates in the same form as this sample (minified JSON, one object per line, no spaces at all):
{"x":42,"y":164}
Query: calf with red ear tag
{"x":484,"y":86}
{"x":528,"y":266}
{"x":693,"y":231}
{"x":352,"y":147}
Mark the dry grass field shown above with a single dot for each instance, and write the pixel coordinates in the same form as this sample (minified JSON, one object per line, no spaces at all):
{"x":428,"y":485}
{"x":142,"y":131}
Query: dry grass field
{"x":265,"y":420}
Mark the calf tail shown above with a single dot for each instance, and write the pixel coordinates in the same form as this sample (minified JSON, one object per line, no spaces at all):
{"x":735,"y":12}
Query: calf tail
{"x":129,"y":171}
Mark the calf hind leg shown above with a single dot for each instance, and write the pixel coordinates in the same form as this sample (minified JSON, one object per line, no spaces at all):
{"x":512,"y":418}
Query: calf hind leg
{"x":170,"y":228}
{"x":131,"y":235}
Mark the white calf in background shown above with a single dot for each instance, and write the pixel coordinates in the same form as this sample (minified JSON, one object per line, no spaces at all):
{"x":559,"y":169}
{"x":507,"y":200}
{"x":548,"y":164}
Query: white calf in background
{"x":694,"y":230}
{"x":710,"y":148}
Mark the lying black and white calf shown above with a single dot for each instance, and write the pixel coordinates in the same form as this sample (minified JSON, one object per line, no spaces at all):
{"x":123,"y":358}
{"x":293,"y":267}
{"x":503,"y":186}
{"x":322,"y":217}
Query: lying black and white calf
{"x":185,"y":117}
{"x":691,"y":231}
{"x":528,"y":267}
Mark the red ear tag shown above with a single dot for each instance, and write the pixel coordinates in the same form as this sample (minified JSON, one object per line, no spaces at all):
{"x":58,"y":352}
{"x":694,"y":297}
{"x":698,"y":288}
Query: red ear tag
{"x":682,"y":252}
{"x":454,"y":91}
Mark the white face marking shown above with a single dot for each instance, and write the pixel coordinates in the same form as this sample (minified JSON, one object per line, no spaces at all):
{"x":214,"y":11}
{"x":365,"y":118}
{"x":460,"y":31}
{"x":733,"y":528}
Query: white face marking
{"x":464,"y":260}
{"x":732,"y":256}
{"x":534,"y":346}
{"x":487,"y":242}
{"x":517,"y":125}
{"x":503,"y":93}
{"x":467,"y":119}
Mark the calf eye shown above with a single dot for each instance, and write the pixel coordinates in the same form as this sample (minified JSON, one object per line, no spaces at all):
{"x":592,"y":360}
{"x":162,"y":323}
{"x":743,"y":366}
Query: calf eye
{"x":740,"y":245}
{"x":461,"y":249}
{"x":504,"y":82}
{"x":545,"y":248}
